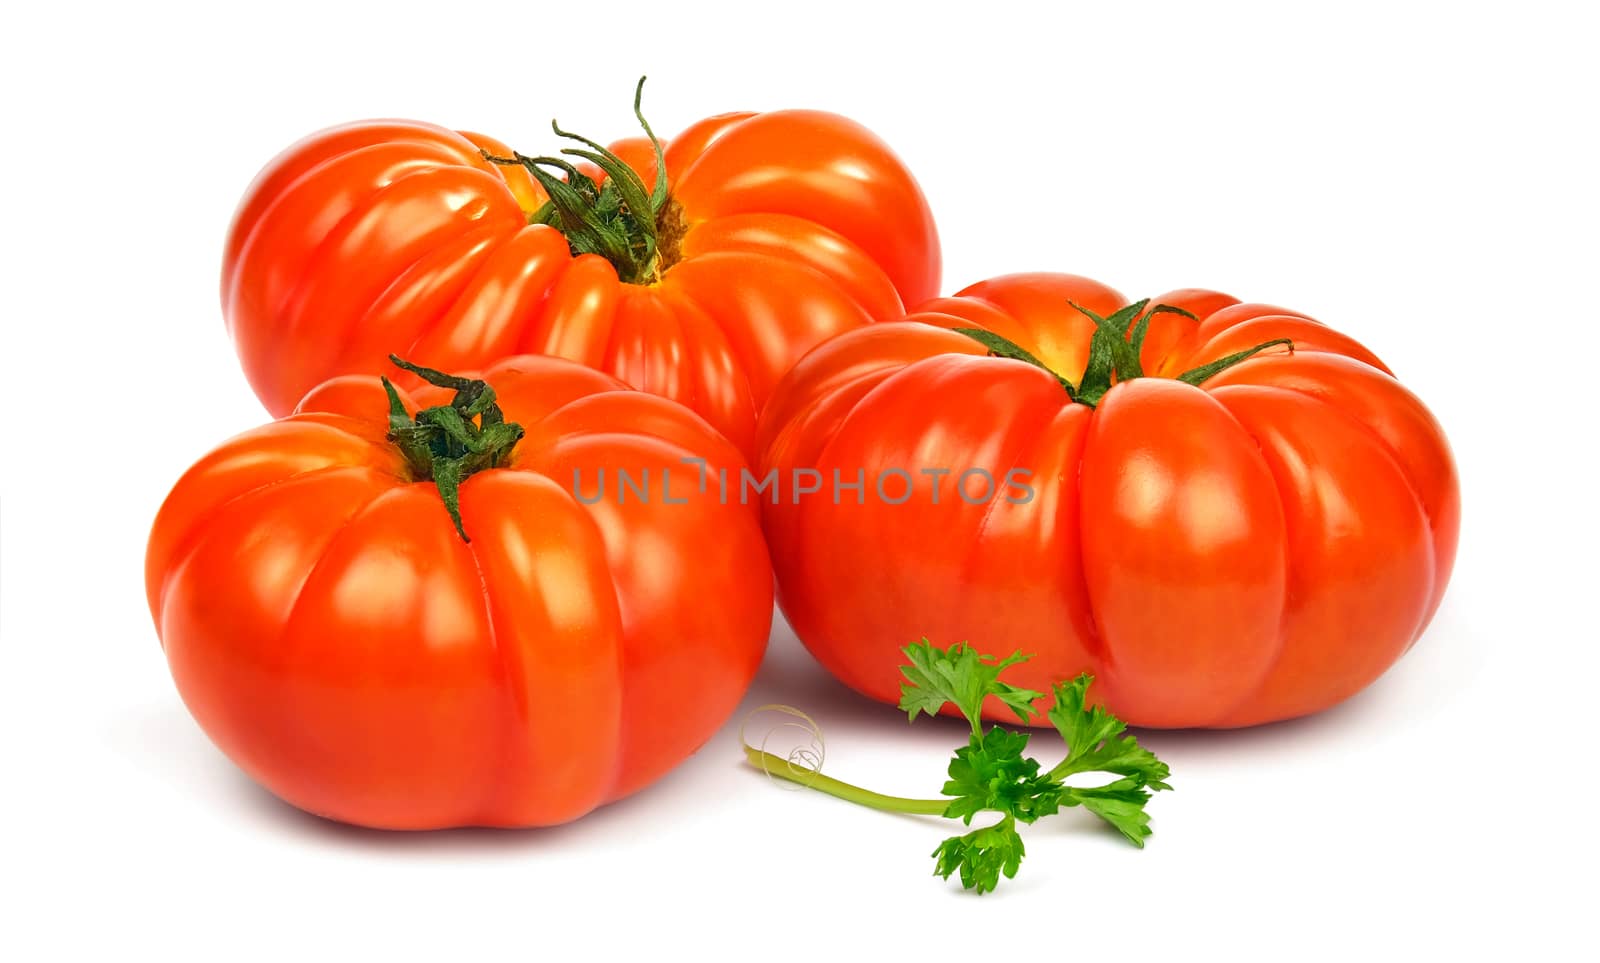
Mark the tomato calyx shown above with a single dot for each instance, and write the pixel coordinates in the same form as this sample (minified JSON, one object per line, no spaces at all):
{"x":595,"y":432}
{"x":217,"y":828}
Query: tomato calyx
{"x":1114,"y":351}
{"x":636,"y":228}
{"x":444,"y":444}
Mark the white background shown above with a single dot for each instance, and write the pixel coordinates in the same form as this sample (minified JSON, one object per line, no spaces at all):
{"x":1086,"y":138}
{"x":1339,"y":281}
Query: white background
{"x":1420,"y":176}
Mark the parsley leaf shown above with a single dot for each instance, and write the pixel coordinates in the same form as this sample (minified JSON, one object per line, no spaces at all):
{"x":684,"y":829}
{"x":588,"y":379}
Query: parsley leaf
{"x":961,"y":676}
{"x":991,"y":774}
{"x":1121,"y":804}
{"x":981,"y":856}
{"x":1095,"y":742}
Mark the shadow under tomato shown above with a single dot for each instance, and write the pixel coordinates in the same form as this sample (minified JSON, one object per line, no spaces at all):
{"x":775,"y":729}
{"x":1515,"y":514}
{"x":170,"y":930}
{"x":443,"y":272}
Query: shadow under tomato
{"x":1436,"y":671}
{"x":165,"y":741}
{"x":604,"y":826}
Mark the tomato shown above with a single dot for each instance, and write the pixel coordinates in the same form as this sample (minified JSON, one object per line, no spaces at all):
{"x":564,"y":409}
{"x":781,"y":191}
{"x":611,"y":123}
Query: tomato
{"x":1257,"y":540}
{"x":337,"y":637}
{"x":772,"y":231}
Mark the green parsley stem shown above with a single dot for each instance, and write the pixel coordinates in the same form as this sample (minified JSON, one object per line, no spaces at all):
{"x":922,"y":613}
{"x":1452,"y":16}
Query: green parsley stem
{"x":782,"y":768}
{"x":1061,"y":770}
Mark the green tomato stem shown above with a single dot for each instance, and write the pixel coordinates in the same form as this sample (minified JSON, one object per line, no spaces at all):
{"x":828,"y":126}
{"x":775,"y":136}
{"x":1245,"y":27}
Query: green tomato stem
{"x":447,"y":444}
{"x":1114,"y":352}
{"x":781,"y":768}
{"x":636,"y":226}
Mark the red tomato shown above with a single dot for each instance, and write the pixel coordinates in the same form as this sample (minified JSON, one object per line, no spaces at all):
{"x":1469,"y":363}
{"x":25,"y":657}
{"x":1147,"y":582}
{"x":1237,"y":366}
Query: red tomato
{"x":1258,"y":547}
{"x":779,"y":229}
{"x":337,"y":638}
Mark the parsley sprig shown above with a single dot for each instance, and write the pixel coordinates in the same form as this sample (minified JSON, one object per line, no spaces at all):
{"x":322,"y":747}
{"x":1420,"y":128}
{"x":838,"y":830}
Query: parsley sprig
{"x":992,"y":774}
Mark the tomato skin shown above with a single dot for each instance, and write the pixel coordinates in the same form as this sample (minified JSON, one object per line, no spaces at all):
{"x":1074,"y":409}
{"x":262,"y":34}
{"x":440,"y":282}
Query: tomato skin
{"x":1257,"y":548}
{"x":337,"y":639}
{"x":399,"y":237}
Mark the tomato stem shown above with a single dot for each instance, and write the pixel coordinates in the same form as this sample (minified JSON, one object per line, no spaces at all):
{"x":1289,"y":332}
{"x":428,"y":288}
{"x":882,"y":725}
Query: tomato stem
{"x":636,"y":228}
{"x":1195,"y":376}
{"x":781,"y":768}
{"x":444,"y":444}
{"x":1114,"y":351}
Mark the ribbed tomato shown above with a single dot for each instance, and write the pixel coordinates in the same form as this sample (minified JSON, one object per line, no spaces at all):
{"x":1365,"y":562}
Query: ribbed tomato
{"x":1222,"y":535}
{"x":771,"y":232}
{"x":335,"y":634}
